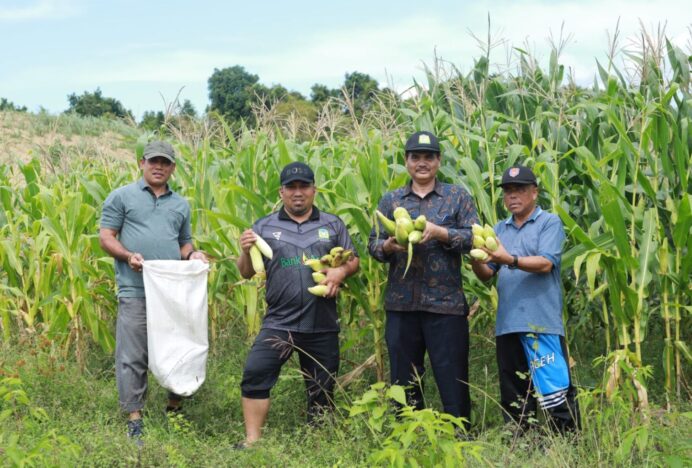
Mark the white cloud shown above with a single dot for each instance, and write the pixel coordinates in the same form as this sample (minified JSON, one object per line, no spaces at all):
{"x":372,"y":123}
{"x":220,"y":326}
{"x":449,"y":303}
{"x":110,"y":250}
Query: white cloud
{"x":42,"y":9}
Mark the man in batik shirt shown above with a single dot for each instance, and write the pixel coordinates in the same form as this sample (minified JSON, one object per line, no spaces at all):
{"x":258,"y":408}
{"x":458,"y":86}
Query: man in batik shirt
{"x":426,"y":309}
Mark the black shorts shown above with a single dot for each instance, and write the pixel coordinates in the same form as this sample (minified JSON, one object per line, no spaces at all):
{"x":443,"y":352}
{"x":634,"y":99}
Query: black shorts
{"x":319,"y":361}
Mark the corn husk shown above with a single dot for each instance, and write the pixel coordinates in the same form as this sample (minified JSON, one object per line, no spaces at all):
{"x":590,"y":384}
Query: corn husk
{"x":491,"y":244}
{"x":400,"y":212}
{"x":388,"y":224}
{"x":319,"y":290}
{"x":315,"y":264}
{"x":415,"y":237}
{"x":257,"y":262}
{"x":478,"y":254}
{"x":318,"y":277}
{"x":263,"y":247}
{"x":477,"y":230}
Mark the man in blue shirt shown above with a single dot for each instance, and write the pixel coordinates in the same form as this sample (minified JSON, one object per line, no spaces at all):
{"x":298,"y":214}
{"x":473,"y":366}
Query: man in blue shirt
{"x":427,"y":309}
{"x":529,"y":331}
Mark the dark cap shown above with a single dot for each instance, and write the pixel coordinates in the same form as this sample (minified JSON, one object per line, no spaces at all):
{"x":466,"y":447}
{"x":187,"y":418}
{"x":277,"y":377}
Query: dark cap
{"x":519,"y":175}
{"x":159,"y":148}
{"x":297,"y":171}
{"x":423,"y":142}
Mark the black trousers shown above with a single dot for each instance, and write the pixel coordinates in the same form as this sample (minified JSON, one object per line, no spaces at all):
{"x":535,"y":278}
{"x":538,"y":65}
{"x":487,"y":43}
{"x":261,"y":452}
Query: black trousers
{"x":318,"y":355}
{"x":446,"y":339}
{"x":517,"y":394}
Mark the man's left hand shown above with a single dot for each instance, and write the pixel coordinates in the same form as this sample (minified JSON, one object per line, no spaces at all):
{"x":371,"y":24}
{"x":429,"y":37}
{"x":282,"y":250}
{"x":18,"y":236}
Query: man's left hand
{"x":335,"y":277}
{"x":433,"y":232}
{"x":197,"y":255}
{"x":499,"y":256}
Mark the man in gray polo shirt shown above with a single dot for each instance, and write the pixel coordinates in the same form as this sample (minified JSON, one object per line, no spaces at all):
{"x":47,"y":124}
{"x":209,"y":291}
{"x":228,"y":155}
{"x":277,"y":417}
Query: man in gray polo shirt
{"x":529,"y":332}
{"x":295,"y":318}
{"x":144,"y":220}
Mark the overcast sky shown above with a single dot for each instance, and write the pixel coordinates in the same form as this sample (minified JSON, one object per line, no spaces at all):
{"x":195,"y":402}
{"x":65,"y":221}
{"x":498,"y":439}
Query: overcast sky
{"x":139,"y":51}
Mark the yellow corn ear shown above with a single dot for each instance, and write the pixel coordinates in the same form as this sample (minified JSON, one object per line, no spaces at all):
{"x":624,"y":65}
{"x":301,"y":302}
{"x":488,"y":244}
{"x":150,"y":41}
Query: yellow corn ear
{"x":400,"y":212}
{"x":336,"y":251}
{"x":327,"y":259}
{"x":263,"y":247}
{"x":488,"y":231}
{"x":346,"y":255}
{"x":401,"y":232}
{"x":388,"y":224}
{"x":415,"y":237}
{"x":477,"y":230}
{"x":315,"y":264}
{"x":478,"y":254}
{"x":407,"y":223}
{"x":318,"y":277}
{"x":478,"y":242}
{"x":257,"y":262}
{"x":491,"y":244}
{"x":319,"y":290}
{"x":419,"y":223}
{"x":337,"y":261}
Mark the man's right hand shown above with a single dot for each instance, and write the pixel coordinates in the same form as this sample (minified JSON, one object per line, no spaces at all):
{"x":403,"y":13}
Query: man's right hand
{"x":247,"y":240}
{"x":135,"y":261}
{"x":391,"y":245}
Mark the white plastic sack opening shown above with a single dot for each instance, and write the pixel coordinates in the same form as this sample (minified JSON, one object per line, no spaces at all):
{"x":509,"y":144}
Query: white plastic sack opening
{"x":176,"y":293}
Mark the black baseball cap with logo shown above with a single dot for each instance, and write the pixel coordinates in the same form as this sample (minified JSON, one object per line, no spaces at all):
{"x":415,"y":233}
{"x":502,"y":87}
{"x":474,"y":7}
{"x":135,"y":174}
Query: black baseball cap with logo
{"x":518,"y":175}
{"x":297,"y":171}
{"x":422,"y":141}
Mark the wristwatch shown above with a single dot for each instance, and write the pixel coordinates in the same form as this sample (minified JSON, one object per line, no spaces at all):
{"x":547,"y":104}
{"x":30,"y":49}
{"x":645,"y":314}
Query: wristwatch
{"x":515,"y":263}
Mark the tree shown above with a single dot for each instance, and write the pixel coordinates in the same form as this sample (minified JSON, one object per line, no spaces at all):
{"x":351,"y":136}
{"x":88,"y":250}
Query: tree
{"x":95,"y":105}
{"x":152,"y":120}
{"x":187,"y":109}
{"x":321,"y":94}
{"x":362,"y":89}
{"x":6,"y":105}
{"x":231,"y":92}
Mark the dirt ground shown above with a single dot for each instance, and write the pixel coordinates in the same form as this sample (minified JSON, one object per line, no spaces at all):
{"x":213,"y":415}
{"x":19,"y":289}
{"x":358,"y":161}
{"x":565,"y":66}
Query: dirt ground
{"x":24,"y":136}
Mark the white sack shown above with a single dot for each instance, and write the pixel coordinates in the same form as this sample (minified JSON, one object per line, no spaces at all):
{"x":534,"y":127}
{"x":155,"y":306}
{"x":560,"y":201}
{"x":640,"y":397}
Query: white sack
{"x":176,"y":293}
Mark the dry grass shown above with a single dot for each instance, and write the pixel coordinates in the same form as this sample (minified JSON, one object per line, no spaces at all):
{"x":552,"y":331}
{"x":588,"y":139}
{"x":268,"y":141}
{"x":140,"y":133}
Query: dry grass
{"x":24,"y":136}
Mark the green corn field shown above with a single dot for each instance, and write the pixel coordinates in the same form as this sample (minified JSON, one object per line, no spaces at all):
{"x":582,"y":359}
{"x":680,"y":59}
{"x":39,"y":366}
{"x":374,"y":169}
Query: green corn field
{"x":613,"y":161}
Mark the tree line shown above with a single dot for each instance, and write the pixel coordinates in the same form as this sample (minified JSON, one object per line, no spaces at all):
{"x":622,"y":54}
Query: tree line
{"x":236,"y":94}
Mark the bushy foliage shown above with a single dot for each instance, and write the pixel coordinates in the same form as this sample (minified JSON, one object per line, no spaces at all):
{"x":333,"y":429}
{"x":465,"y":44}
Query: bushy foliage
{"x":6,"y":105}
{"x":96,"y":105}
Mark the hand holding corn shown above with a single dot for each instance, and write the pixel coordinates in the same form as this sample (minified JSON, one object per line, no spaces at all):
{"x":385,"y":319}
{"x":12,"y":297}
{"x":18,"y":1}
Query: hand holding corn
{"x":253,"y":245}
{"x":328,"y":272}
{"x":487,"y":247}
{"x":405,"y":232}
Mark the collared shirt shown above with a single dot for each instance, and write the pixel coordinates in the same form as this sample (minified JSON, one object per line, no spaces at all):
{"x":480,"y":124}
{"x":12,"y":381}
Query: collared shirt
{"x":433,"y":282}
{"x":530,"y":302}
{"x":289,"y":304}
{"x":154,"y":227}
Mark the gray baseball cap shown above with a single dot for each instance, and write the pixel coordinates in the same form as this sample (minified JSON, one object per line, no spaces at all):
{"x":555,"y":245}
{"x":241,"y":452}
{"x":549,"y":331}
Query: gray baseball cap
{"x":159,"y":148}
